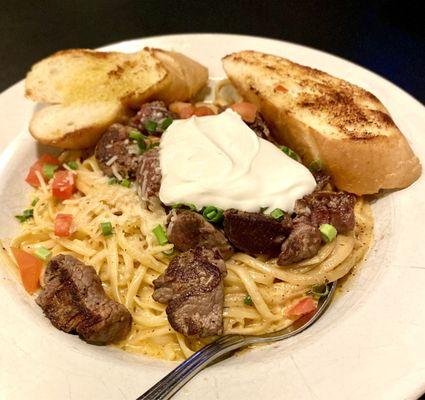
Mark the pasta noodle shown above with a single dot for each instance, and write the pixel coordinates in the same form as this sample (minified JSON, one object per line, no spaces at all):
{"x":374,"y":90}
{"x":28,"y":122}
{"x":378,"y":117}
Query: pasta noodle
{"x":129,"y":260}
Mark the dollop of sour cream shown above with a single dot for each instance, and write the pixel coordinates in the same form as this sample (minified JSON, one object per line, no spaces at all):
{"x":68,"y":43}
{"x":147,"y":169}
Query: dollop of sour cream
{"x":219,"y":161}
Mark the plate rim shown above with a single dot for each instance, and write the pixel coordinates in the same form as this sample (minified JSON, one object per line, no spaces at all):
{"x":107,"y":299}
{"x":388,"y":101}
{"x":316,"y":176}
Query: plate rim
{"x":236,"y":36}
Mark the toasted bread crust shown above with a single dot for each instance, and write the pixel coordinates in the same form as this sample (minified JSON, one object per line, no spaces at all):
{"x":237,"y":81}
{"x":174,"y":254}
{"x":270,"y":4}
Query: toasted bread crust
{"x":54,"y":125}
{"x":326,"y":118}
{"x":105,"y":84}
{"x":79,"y":139}
{"x":360,"y":166}
{"x":186,"y":76}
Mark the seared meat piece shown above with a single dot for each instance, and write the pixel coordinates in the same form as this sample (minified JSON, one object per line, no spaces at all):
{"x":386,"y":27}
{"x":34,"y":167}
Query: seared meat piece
{"x":198,"y":312}
{"x":261,"y":129}
{"x":149,"y":174}
{"x":302,"y":210}
{"x":322,"y":180}
{"x":187,"y":230}
{"x":75,"y":302}
{"x":192,"y":268}
{"x":311,"y":211}
{"x":155,"y":112}
{"x":303,"y":242}
{"x":335,"y":208}
{"x":256,"y":233}
{"x":115,"y":151}
{"x":192,"y":285}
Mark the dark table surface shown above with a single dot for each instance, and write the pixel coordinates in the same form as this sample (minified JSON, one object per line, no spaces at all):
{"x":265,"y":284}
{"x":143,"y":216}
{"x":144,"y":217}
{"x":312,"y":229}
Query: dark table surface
{"x":386,"y":36}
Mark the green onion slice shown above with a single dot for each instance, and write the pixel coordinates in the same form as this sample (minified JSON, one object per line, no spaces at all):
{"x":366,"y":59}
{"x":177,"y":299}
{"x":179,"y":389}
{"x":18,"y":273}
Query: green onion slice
{"x":190,"y":206}
{"x":316,"y":166}
{"x":43,"y":253}
{"x":49,"y":170}
{"x":152,"y":145}
{"x":328,"y":232}
{"x":160,"y":234}
{"x":34,"y":202}
{"x":136,"y":135}
{"x":73,"y":165}
{"x":165,"y":124}
{"x":142,"y":145}
{"x":151,"y":126}
{"x":26,"y":214}
{"x":213,"y":214}
{"x":126,"y":183}
{"x":106,"y":228}
{"x":290,"y":153}
{"x":277,"y":213}
{"x":247,"y":300}
{"x":319,"y":291}
{"x":139,"y":138}
{"x":113,"y":181}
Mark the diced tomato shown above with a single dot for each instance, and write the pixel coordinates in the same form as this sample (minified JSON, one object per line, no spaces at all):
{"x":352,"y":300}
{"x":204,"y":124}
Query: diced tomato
{"x":247,"y":111}
{"x":203,"y":111}
{"x":38,"y":167}
{"x":280,"y":88}
{"x":210,"y":106}
{"x":63,"y":184}
{"x":187,"y":112}
{"x":29,"y":268}
{"x":304,"y":306}
{"x":177,"y":106}
{"x":63,"y":223}
{"x":183,"y":110}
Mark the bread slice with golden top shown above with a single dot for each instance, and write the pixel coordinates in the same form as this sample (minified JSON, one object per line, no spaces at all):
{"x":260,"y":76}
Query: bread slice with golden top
{"x":325,"y":118}
{"x":86,"y":75}
{"x":91,"y":90}
{"x":76,"y":125}
{"x":187,"y":76}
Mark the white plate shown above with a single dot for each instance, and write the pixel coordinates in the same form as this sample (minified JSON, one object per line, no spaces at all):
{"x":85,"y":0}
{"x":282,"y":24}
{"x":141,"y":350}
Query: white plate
{"x":369,"y":345}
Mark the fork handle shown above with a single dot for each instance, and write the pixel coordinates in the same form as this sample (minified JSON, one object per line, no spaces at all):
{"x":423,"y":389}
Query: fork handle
{"x":177,"y":378}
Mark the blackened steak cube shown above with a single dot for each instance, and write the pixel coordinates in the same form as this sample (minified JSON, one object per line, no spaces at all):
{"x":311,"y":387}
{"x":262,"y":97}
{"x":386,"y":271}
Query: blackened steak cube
{"x":75,"y":302}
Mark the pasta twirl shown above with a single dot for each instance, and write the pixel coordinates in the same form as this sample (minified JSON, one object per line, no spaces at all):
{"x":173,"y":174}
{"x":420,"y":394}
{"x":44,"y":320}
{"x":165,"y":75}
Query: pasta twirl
{"x":129,"y":260}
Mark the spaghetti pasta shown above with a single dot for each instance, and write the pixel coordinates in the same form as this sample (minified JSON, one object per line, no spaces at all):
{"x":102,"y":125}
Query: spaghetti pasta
{"x":130,"y":259}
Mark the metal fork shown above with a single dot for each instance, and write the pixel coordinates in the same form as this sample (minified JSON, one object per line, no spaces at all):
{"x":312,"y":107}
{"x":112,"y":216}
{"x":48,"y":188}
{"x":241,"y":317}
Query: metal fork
{"x":176,"y":379}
